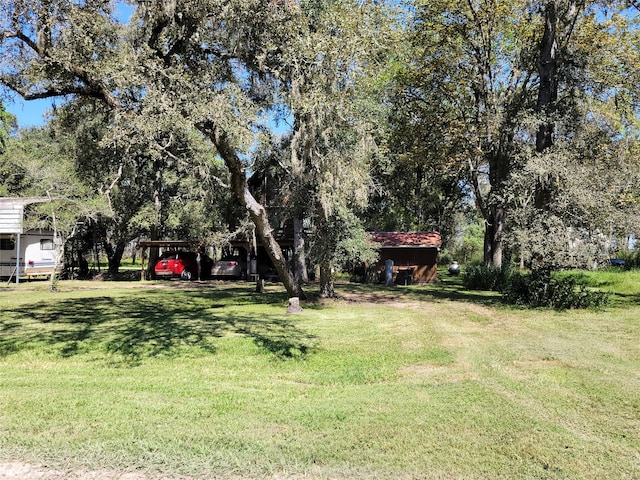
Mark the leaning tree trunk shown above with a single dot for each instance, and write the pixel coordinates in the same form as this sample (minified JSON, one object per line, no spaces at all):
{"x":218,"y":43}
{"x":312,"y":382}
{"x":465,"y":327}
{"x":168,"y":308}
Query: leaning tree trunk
{"x":257,"y":212}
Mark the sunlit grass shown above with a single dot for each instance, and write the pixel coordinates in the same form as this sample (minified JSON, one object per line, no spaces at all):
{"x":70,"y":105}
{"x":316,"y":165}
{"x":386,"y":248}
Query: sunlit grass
{"x":213,"y":380}
{"x":624,"y":286}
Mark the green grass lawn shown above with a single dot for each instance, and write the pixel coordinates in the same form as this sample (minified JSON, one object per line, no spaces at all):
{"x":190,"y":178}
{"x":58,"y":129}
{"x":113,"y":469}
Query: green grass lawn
{"x":211,"y":380}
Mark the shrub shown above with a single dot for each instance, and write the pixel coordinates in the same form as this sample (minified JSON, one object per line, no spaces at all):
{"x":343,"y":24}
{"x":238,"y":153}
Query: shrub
{"x":540,"y":289}
{"x":631,"y":259}
{"x":483,"y":277}
{"x":530,"y":289}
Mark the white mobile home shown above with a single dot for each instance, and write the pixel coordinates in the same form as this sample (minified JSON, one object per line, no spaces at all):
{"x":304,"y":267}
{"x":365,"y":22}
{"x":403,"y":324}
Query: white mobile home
{"x":37,"y":254}
{"x":23,"y":253}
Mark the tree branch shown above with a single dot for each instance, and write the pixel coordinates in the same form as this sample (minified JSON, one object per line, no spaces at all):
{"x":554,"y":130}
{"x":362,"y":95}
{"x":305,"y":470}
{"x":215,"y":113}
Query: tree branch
{"x":90,"y":88}
{"x":20,"y":36}
{"x":107,"y":192}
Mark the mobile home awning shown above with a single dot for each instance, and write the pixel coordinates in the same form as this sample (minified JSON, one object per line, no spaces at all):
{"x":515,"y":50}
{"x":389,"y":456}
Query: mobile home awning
{"x":12,"y":212}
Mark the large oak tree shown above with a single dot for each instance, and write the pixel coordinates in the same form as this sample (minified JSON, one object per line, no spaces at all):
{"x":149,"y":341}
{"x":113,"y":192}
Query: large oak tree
{"x":204,"y":65}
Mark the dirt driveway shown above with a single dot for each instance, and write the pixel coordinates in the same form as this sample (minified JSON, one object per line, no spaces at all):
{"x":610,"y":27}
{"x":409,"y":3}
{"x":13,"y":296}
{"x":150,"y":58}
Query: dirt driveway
{"x":24,"y":471}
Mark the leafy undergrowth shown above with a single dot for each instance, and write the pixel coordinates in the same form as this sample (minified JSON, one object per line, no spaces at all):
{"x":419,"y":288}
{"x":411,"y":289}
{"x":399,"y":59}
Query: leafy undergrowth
{"x":537,"y":288}
{"x":212,"y":380}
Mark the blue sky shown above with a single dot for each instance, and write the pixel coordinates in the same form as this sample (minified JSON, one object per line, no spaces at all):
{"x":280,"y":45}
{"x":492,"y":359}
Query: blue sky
{"x":31,"y":113}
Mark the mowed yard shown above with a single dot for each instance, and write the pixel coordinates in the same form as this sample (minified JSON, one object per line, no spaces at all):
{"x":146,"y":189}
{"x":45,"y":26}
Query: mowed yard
{"x":211,"y":380}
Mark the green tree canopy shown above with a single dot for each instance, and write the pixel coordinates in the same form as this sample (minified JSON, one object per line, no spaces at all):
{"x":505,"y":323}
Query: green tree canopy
{"x":515,"y":90}
{"x":7,"y":126}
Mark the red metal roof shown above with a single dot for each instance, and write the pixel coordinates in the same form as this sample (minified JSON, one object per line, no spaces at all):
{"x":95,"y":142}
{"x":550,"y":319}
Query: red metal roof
{"x":407,"y":239}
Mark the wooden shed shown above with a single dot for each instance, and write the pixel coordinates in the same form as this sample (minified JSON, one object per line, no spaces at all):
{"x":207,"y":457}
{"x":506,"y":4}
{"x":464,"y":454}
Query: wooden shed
{"x":414,"y":255}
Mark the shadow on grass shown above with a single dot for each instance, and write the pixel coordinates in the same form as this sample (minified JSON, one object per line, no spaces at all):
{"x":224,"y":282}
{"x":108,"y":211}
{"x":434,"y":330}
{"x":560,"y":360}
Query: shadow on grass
{"x":623,"y":300}
{"x":447,"y":287}
{"x":151,"y":323}
{"x":444,"y":290}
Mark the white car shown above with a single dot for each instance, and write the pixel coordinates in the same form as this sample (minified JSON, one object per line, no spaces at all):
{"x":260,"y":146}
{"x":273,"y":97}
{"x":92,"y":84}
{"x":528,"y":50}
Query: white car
{"x":231,"y":266}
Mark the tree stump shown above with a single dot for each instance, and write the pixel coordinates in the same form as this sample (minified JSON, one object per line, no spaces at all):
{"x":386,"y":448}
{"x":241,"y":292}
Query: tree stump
{"x":294,"y":305}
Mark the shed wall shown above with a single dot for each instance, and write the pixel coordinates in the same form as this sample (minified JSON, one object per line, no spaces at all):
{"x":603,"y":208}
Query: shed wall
{"x":423,"y":261}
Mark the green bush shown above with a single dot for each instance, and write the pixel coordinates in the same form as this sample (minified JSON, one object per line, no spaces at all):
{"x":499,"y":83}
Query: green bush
{"x":483,"y":277}
{"x":530,"y":289}
{"x":631,"y":259}
{"x":540,"y":289}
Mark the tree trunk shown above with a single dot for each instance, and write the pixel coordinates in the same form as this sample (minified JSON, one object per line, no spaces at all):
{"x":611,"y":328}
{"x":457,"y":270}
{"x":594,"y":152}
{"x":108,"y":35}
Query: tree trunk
{"x":547,"y":97}
{"x":326,"y":281}
{"x":58,"y":252}
{"x":547,"y":70}
{"x":550,"y":49}
{"x":114,"y":256}
{"x":257,"y":212}
{"x":492,"y":208}
{"x":58,"y":260}
{"x":153,"y":254}
{"x":301,"y":274}
{"x":493,"y":237}
{"x":157,"y":228}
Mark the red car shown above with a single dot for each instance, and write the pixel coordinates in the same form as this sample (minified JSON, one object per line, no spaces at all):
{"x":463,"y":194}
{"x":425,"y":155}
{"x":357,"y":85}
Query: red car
{"x":180,"y":264}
